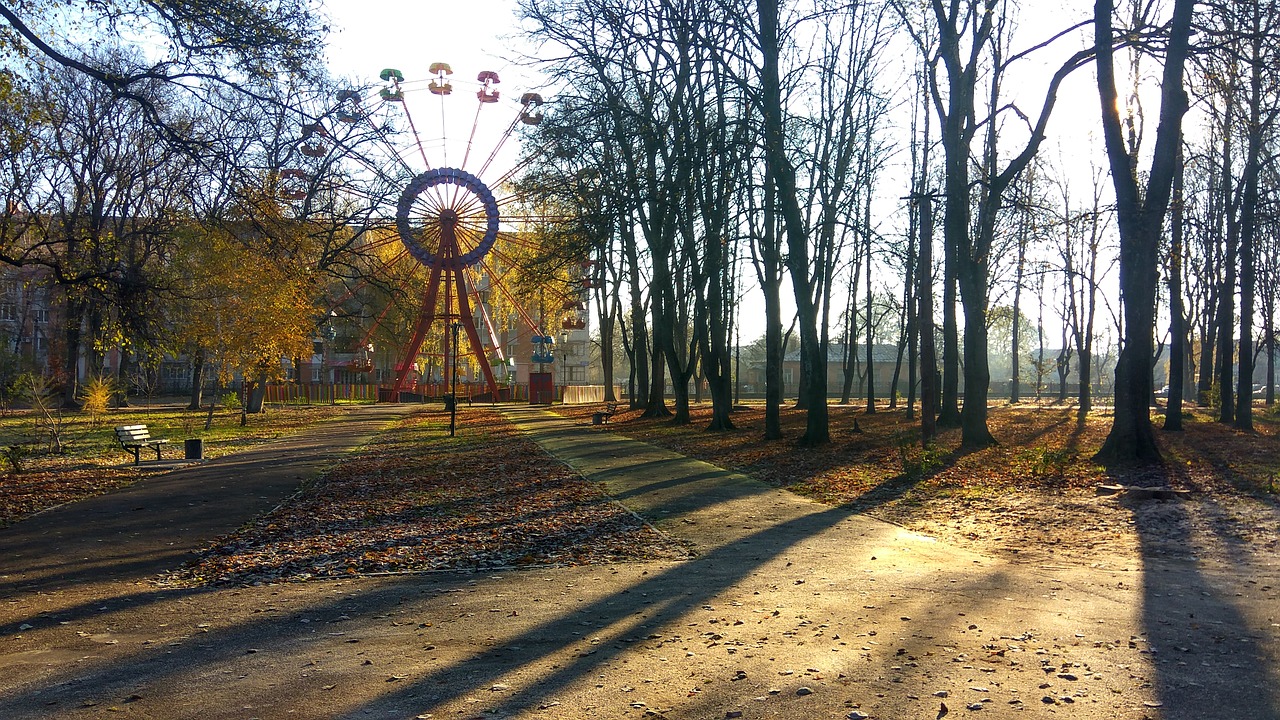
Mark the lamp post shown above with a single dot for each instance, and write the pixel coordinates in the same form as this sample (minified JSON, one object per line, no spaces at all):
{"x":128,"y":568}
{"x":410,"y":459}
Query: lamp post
{"x":331,"y":333}
{"x":453,"y":393}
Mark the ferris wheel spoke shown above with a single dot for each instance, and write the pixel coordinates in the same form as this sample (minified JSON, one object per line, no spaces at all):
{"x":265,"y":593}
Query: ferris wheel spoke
{"x":416,"y":137}
{"x":471,"y":138}
{"x":468,"y":322}
{"x":537,"y":218}
{"x":377,"y":323}
{"x":377,"y":170}
{"x":502,"y":288}
{"x":472,"y":226}
{"x":368,"y":196}
{"x":487,"y":318}
{"x":427,"y":206}
{"x":511,"y":238}
{"x":501,"y":141}
{"x":471,"y":206}
{"x":371,"y":165}
{"x":519,"y":166}
{"x":377,"y":244}
{"x":507,"y":259}
{"x":467,"y":240}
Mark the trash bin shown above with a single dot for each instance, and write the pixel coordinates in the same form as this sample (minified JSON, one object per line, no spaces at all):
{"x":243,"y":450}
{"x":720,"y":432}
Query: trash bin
{"x":597,"y":418}
{"x":449,"y":402}
{"x":194,"y":449}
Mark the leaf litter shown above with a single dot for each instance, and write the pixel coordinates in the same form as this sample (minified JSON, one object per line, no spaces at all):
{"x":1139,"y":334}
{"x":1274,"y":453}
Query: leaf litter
{"x":1031,"y":497}
{"x":417,"y":500}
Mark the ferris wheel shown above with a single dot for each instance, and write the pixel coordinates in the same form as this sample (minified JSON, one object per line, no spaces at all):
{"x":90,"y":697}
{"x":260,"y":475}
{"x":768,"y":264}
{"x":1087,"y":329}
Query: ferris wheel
{"x":460,"y":229}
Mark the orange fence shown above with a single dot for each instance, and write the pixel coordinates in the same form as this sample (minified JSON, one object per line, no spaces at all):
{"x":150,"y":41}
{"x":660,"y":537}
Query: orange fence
{"x":324,"y":393}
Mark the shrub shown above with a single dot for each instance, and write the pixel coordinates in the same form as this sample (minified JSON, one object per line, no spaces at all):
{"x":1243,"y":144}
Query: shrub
{"x":96,"y":397}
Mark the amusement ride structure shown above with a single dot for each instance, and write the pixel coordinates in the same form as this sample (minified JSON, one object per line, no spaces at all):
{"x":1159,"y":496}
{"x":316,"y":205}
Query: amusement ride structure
{"x":447,"y":219}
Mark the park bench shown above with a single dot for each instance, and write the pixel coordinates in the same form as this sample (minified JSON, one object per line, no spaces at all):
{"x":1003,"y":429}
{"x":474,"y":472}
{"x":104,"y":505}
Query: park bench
{"x":603,"y":416}
{"x":135,"y":437}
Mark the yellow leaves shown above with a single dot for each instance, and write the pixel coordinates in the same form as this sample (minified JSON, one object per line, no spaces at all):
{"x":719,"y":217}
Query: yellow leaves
{"x":250,"y":306}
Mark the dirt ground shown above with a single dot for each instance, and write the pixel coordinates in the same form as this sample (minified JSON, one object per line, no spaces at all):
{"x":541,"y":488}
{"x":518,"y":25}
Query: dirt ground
{"x":787,"y":608}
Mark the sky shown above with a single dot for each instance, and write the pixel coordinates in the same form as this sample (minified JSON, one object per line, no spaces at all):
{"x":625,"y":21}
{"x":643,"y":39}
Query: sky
{"x":369,"y":35}
{"x":470,"y":36}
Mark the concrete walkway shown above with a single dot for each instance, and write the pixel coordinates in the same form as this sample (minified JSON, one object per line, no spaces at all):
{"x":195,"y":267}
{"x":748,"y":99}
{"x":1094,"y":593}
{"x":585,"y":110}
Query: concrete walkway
{"x":789,"y":609}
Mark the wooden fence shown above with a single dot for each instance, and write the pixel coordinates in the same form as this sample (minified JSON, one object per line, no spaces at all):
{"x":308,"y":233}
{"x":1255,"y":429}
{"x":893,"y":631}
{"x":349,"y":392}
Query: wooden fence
{"x":325,"y":394}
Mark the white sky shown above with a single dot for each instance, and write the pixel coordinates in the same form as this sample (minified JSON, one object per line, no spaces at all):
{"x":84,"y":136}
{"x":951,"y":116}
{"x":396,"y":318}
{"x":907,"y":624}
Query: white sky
{"x":370,"y":35}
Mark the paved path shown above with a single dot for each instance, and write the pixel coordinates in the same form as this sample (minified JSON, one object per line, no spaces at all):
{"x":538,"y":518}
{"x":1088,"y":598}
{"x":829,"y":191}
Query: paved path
{"x":790,"y":609}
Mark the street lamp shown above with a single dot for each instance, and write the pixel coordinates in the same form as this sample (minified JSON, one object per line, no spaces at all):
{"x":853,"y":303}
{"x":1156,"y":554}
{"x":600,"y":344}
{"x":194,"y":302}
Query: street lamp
{"x":331,"y":333}
{"x":453,"y":393}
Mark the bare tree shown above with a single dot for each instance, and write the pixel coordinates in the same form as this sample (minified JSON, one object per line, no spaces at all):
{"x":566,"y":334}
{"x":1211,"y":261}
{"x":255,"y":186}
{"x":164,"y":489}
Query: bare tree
{"x":1140,"y":213}
{"x":971,"y":35}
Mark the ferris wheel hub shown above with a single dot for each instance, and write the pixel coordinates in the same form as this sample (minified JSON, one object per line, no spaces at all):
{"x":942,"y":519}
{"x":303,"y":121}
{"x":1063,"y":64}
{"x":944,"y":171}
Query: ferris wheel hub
{"x":418,"y":208}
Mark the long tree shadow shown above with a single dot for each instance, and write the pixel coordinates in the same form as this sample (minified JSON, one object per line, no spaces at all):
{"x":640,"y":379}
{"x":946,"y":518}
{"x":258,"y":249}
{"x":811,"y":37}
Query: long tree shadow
{"x":627,"y":614}
{"x":1205,"y":652}
{"x":281,"y":633}
{"x":619,"y":619}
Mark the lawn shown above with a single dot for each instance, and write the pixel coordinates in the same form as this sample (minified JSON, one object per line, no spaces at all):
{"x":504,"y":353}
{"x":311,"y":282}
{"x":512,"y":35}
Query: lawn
{"x":89,"y":461}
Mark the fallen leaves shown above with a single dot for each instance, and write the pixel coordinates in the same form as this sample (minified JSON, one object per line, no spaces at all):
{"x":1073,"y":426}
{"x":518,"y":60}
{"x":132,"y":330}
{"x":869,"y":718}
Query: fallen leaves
{"x":1030,"y":497}
{"x":416,"y":499}
{"x":30,"y":492}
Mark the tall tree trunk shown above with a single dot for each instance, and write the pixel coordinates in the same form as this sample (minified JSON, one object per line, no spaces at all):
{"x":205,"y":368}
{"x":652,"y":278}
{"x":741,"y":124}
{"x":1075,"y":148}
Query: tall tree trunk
{"x":1177,"y":314}
{"x":641,"y":361}
{"x":949,"y":411}
{"x":924,"y":296}
{"x":609,"y":304}
{"x":977,"y":373}
{"x":656,"y":407}
{"x":1140,"y":217}
{"x":197,"y":380}
{"x":120,"y":395}
{"x":817,"y":429}
{"x":871,"y":363}
{"x":769,"y":269}
{"x":1248,"y":228}
{"x":849,"y":364}
{"x":71,"y":333}
{"x":1014,"y":351}
{"x":1225,"y":356}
